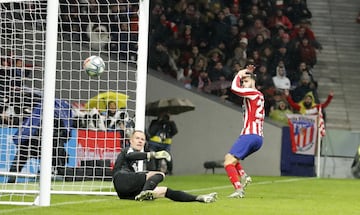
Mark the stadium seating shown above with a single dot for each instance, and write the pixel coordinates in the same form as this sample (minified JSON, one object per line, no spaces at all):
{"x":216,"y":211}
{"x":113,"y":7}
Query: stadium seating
{"x":338,"y":62}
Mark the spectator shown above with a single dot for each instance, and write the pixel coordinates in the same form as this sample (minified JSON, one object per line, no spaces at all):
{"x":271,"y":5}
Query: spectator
{"x":234,"y":37}
{"x":186,"y":39}
{"x":267,"y":56}
{"x":281,"y":54}
{"x":242,"y":26}
{"x":161,"y":131}
{"x":308,"y":105}
{"x":218,"y":73}
{"x":302,"y":31}
{"x":240,"y":53}
{"x":279,"y":112}
{"x":219,"y":81}
{"x":305,"y":86}
{"x":258,"y":28}
{"x":202,"y":82}
{"x":252,"y":14}
{"x":215,"y":55}
{"x":258,"y":43}
{"x":263,"y":79}
{"x":116,"y":119}
{"x":125,"y":42}
{"x":230,"y":18}
{"x":159,"y":59}
{"x":220,"y":29}
{"x":295,"y":75}
{"x":255,"y":55}
{"x":70,"y":19}
{"x":185,"y":73}
{"x":307,"y":52}
{"x":281,"y":81}
{"x":297,"y":10}
{"x":278,"y":20}
{"x":200,"y":65}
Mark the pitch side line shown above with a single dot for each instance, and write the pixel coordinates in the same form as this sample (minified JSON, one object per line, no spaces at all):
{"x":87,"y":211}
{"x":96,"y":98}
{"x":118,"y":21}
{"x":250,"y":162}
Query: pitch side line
{"x":252,"y":184}
{"x":57,"y":204}
{"x":194,"y":190}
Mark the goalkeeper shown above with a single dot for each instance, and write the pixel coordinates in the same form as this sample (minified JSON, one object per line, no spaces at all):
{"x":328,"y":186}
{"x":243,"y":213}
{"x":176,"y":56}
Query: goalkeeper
{"x":130,"y":183}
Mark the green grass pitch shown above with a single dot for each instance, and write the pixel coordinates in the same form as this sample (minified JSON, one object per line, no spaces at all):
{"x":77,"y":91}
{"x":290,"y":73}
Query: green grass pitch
{"x":266,"y":195}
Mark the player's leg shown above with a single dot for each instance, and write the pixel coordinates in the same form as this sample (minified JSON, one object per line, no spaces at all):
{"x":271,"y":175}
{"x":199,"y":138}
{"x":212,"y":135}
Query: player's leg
{"x":245,"y":179}
{"x":231,"y":171}
{"x":153,"y":178}
{"x":128,"y":185}
{"x":176,"y":195}
{"x":244,"y":146}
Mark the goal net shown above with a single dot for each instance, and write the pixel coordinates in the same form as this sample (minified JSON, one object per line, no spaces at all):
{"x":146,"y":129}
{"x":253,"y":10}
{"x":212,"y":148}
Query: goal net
{"x":87,"y":132}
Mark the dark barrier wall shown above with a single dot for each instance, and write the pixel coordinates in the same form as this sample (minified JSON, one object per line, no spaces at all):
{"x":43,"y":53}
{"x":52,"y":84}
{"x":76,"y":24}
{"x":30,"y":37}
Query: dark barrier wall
{"x":294,"y":164}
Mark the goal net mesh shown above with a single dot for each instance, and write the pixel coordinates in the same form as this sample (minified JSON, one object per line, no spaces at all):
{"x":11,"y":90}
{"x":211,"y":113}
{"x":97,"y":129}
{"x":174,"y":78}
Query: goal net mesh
{"x":87,"y":134}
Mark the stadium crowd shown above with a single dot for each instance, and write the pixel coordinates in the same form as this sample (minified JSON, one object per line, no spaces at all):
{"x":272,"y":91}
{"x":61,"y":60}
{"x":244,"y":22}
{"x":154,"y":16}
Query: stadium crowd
{"x":204,"y":43}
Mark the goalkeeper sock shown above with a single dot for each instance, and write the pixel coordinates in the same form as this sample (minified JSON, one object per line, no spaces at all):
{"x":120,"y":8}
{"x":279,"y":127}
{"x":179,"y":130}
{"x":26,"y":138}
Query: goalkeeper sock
{"x":233,"y":175}
{"x":179,"y":196}
{"x":240,"y":169}
{"x":153,"y":181}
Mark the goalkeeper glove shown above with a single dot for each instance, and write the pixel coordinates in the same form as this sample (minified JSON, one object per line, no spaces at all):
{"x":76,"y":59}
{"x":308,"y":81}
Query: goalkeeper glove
{"x":159,"y":155}
{"x":163,"y":154}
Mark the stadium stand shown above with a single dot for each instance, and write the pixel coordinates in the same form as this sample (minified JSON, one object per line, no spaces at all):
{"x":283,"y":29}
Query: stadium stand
{"x":337,"y":68}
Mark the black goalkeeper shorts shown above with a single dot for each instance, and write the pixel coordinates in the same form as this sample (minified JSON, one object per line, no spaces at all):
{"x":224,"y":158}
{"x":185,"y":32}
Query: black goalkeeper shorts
{"x":129,"y":184}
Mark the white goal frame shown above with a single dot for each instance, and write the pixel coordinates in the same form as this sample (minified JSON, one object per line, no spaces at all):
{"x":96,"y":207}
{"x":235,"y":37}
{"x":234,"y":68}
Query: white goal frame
{"x":44,"y":191}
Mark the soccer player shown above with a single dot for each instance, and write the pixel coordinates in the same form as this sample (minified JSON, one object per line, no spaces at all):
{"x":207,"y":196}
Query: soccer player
{"x":130,"y":183}
{"x":251,"y":136}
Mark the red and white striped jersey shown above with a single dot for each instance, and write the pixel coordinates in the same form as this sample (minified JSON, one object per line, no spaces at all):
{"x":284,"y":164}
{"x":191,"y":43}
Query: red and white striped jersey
{"x":254,"y":111}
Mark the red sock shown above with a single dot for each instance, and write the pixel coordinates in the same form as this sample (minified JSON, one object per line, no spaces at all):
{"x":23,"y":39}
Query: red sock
{"x":233,"y":175}
{"x":239,"y":169}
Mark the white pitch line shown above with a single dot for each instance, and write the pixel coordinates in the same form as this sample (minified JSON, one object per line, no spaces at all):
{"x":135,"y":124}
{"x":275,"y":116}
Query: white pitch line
{"x":194,"y":190}
{"x":253,"y":183}
{"x":57,"y":204}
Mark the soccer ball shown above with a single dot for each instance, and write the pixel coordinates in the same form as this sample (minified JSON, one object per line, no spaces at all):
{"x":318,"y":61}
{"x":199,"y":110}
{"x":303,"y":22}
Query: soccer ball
{"x":94,"y":66}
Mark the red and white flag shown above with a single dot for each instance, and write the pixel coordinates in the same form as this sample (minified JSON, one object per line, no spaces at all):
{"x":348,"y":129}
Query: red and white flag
{"x":321,"y":123}
{"x":303,"y":133}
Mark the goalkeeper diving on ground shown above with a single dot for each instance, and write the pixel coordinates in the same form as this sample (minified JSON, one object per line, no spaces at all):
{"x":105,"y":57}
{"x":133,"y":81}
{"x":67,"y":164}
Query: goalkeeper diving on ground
{"x":130,"y":183}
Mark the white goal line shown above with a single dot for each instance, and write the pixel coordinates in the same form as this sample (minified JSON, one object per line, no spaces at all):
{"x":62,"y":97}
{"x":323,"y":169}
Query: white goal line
{"x":24,"y":175}
{"x":10,"y":1}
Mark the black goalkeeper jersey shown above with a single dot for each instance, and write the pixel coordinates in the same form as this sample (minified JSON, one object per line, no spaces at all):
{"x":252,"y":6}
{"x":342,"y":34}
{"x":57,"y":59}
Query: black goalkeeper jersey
{"x":128,"y":160}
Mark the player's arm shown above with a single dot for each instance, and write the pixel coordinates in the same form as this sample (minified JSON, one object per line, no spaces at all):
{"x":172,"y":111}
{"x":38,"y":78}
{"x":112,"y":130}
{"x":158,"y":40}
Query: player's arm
{"x":238,"y":89}
{"x":291,"y":102}
{"x":137,"y":155}
{"x":328,"y":100}
{"x":148,"y":155}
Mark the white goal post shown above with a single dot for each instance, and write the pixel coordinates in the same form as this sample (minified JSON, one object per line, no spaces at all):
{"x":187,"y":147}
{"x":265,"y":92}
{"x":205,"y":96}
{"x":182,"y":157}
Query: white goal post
{"x":57,"y":135}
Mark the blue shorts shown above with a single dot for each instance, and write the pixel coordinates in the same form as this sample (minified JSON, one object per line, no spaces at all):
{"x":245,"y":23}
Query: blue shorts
{"x":245,"y":145}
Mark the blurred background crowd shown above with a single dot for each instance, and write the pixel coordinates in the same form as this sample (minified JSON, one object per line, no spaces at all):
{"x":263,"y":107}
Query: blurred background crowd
{"x":204,"y":43}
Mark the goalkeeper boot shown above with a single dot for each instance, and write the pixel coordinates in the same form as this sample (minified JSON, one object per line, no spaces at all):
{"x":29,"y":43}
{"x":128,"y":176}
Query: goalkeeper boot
{"x":245,"y":181}
{"x":145,"y":195}
{"x":238,"y":194}
{"x":207,"y":198}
